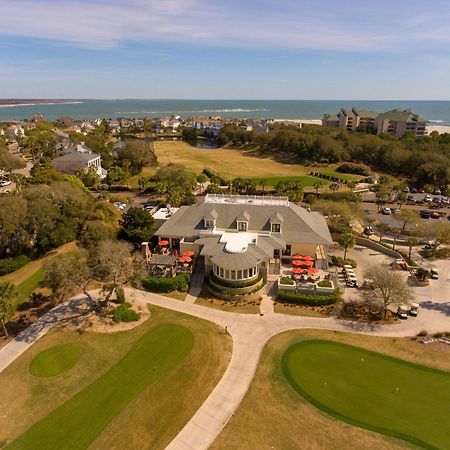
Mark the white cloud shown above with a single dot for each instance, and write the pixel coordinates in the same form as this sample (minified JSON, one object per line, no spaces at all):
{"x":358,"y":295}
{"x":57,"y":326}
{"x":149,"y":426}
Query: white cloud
{"x":302,"y":24}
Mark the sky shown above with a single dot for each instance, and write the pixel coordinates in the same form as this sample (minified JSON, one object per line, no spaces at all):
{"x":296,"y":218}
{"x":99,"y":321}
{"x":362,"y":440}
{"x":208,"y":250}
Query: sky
{"x":211,"y":49}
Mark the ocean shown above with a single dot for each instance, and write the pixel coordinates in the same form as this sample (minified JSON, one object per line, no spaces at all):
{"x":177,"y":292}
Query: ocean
{"x":437,"y":112}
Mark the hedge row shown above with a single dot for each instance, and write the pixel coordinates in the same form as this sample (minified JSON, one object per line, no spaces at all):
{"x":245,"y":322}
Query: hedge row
{"x":234,"y":284}
{"x":8,"y":265}
{"x":162,"y":284}
{"x":306,"y":299}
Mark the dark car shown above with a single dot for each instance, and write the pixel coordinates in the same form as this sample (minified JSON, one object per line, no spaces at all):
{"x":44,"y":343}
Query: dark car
{"x":425,"y":214}
{"x":413,"y":190}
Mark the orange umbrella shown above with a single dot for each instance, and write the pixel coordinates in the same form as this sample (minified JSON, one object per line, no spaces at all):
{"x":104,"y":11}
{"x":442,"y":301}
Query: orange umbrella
{"x":308,"y":258}
{"x":297,"y":256}
{"x":185,"y":258}
{"x":297,"y":270}
{"x":188,"y":253}
{"x":163,"y":243}
{"x":306,"y":263}
{"x":297,"y":262}
{"x":313,"y":270}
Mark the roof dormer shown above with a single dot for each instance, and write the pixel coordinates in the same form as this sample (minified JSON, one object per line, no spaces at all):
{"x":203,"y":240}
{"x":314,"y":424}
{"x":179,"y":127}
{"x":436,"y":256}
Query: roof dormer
{"x":242,"y":221}
{"x":276,"y":221}
{"x":209,"y":221}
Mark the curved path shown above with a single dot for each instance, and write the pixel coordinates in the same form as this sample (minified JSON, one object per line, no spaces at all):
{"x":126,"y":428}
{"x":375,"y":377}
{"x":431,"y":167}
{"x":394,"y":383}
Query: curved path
{"x":249,"y":332}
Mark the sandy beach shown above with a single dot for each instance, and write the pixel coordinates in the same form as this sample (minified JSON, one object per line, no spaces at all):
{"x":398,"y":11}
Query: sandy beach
{"x":439,"y":128}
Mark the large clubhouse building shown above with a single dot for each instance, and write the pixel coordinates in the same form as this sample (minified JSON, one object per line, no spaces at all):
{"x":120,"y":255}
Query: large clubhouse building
{"x":244,"y":237}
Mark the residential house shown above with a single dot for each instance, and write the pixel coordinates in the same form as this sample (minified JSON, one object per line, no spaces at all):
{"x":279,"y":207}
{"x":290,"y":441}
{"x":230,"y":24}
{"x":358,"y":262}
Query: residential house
{"x":399,"y":122}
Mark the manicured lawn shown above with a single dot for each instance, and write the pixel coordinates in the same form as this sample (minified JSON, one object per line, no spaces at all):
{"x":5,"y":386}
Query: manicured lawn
{"x":273,"y":415}
{"x":55,"y":361}
{"x":150,"y":418}
{"x":77,"y":422}
{"x":226,"y":162}
{"x":371,"y":390}
{"x":27,"y":287}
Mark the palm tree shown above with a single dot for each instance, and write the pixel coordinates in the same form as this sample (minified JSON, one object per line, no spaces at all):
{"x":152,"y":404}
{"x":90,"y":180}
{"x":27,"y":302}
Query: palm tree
{"x":317,"y":185}
{"x":263,"y":182}
{"x":382,"y":227}
{"x":411,"y":241}
{"x":347,"y":241}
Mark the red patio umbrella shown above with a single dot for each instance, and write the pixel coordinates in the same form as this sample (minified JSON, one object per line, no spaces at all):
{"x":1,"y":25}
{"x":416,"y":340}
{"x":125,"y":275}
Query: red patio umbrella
{"x":163,"y":243}
{"x":185,"y":259}
{"x":313,"y":270}
{"x":297,"y":256}
{"x":188,"y":253}
{"x":306,"y":263}
{"x":308,"y":258}
{"x":297,"y":262}
{"x":297,"y":270}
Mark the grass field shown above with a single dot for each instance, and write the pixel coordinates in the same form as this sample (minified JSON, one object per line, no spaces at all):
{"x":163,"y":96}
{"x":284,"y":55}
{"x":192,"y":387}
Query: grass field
{"x":28,"y":277}
{"x":371,"y":390}
{"x":342,"y":176}
{"x":273,"y":415}
{"x":156,"y":376}
{"x":305,"y":180}
{"x":229,"y":163}
{"x":55,"y":361}
{"x":85,"y":415}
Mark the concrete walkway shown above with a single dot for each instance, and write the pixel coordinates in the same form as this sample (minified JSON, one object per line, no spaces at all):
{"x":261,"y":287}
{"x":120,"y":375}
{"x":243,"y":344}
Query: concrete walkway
{"x":250,"y":333}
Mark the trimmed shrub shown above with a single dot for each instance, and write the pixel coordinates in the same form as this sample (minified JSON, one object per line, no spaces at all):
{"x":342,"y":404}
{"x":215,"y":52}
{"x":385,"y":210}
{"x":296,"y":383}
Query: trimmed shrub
{"x":162,"y":284}
{"x":324,"y":283}
{"x":287,"y":280}
{"x":306,"y":299}
{"x":8,"y":265}
{"x":341,"y":262}
{"x":357,"y":169}
{"x":422,"y":333}
{"x":124,"y":313}
{"x":120,"y":295}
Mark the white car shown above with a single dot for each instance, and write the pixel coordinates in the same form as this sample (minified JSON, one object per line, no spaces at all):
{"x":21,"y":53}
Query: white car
{"x":434,"y":274}
{"x":4,"y":183}
{"x":386,"y":211}
{"x":428,"y":198}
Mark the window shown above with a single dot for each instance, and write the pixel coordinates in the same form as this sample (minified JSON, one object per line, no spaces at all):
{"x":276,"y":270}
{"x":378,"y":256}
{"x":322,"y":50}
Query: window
{"x":210,"y":223}
{"x":242,"y":226}
{"x":227,"y":274}
{"x":239,"y":274}
{"x":276,"y":228}
{"x":233,"y":274}
{"x":246,"y":273}
{"x":222,"y":272}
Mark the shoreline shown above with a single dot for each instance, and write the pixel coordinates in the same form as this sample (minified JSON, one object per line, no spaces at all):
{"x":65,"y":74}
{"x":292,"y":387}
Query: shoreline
{"x":39,"y":103}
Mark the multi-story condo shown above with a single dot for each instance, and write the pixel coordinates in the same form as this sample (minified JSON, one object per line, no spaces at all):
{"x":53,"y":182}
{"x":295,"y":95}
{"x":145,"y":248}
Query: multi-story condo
{"x":399,"y":122}
{"x":396,"y":122}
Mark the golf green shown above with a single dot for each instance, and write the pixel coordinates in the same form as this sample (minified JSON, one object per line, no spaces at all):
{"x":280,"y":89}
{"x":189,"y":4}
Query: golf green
{"x":373,"y":391}
{"x":77,"y":422}
{"x":54,"y":361}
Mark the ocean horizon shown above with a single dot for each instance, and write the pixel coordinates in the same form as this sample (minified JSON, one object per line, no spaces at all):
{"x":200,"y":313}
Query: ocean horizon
{"x":437,"y":112}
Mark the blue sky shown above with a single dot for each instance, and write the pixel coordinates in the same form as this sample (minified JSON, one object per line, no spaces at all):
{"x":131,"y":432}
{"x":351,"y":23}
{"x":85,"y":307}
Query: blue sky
{"x":285,"y":49}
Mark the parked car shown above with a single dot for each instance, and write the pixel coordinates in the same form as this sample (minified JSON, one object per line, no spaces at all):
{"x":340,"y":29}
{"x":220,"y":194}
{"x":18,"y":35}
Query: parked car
{"x":386,"y":211}
{"x":411,"y":198}
{"x":4,"y":183}
{"x":421,"y":191}
{"x":437,"y":200}
{"x":425,"y":214}
{"x":413,"y":190}
{"x":406,"y":189}
{"x":437,"y":191}
{"x":428,"y":198}
{"x":434,"y":274}
{"x":435,"y":215}
{"x":445,"y":200}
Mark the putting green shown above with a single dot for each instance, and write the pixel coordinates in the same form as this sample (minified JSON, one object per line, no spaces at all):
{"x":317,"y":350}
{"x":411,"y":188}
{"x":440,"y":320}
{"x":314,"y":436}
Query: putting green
{"x":77,"y":422}
{"x":54,"y":361}
{"x":373,"y":391}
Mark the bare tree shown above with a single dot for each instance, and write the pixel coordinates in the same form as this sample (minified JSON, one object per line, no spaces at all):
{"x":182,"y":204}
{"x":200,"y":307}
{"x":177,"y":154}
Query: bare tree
{"x":8,"y":297}
{"x":386,"y":288}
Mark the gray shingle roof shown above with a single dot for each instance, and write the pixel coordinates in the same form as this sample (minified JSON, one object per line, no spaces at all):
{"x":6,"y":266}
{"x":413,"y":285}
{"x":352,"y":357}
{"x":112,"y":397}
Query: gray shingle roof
{"x":77,"y":157}
{"x":399,"y":115}
{"x":299,"y":225}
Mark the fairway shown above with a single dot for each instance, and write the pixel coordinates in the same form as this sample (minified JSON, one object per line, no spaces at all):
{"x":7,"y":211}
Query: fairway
{"x":80,"y":420}
{"x":373,"y":391}
{"x":226,"y":162}
{"x":55,"y":361}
